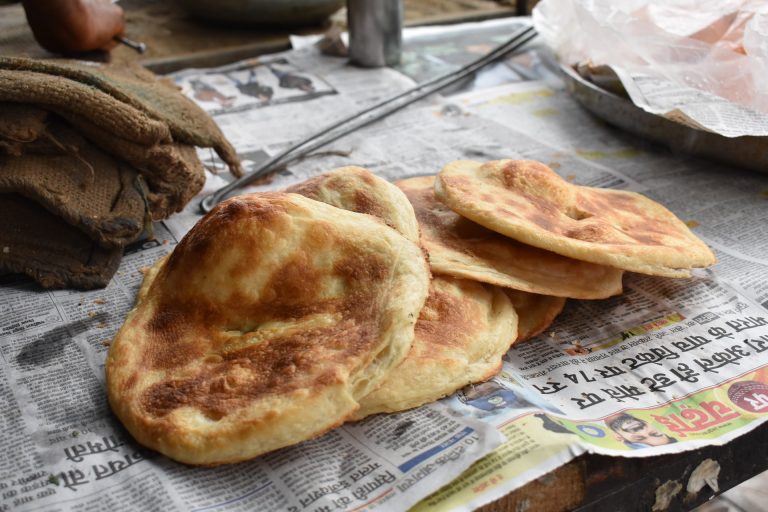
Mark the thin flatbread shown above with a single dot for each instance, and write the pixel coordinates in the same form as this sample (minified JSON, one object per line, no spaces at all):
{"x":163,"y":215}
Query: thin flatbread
{"x":359,"y":190}
{"x":265,"y":326}
{"x":463,"y":331}
{"x":461,"y":248}
{"x":535,"y":312}
{"x":528,"y":201}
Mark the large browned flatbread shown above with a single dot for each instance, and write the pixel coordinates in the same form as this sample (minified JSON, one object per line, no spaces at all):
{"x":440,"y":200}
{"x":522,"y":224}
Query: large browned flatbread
{"x":461,"y":248}
{"x":265,"y":326}
{"x":359,"y":190}
{"x":528,"y":201}
{"x":535,"y":312}
{"x":463,"y":331}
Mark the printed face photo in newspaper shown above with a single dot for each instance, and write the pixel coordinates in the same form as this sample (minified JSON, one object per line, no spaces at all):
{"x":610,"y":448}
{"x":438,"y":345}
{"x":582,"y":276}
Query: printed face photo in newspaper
{"x":635,"y":432}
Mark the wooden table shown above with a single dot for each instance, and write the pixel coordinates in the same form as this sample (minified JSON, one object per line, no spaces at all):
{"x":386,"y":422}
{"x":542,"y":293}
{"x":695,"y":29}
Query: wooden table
{"x":599,"y":483}
{"x":175,"y":40}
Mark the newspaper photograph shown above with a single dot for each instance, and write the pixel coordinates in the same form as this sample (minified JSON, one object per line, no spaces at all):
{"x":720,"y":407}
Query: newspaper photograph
{"x":667,"y":366}
{"x":252,"y":85}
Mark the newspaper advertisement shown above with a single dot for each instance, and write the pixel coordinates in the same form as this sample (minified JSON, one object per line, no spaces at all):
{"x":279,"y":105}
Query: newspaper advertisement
{"x":669,"y":365}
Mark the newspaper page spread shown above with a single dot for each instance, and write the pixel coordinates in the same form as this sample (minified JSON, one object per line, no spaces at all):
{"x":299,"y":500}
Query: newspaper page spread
{"x":62,"y":448}
{"x":669,"y":365}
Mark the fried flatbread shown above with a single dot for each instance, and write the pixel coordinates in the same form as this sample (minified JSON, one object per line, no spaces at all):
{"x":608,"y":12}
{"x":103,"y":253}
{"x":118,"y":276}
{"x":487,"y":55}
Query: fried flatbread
{"x":528,"y":201}
{"x":263,"y":328}
{"x":359,"y":190}
{"x":461,"y":248}
{"x":534,"y":312}
{"x":462,"y":333}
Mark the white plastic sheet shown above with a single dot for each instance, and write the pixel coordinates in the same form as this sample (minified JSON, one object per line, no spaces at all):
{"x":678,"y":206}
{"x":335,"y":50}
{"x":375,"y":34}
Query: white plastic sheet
{"x":717,"y":46}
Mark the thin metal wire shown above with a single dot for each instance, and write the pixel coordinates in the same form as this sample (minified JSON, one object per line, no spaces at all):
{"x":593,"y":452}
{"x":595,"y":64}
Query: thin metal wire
{"x":346,"y":125}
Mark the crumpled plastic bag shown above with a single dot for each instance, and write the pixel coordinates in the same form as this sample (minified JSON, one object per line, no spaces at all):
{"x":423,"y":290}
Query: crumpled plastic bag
{"x":719,"y":46}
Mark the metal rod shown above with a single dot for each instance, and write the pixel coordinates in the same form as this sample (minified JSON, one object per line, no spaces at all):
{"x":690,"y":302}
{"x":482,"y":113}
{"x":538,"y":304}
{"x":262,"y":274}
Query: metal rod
{"x":130,"y":43}
{"x":327,"y":136}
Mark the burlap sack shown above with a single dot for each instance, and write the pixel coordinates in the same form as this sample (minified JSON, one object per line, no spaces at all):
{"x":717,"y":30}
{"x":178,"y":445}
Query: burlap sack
{"x":37,"y":243}
{"x":135,"y":86}
{"x":86,"y":187}
{"x":60,"y":94}
{"x":87,"y":154}
{"x":173,"y":172}
{"x":19,"y":125}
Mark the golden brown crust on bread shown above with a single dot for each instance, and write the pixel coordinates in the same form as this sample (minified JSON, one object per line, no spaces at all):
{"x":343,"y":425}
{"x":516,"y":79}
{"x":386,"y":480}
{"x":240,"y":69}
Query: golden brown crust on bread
{"x":462,"y":248}
{"x":359,"y":190}
{"x":263,"y":328}
{"x":463,"y":331}
{"x":534,"y":312}
{"x":528,"y":201}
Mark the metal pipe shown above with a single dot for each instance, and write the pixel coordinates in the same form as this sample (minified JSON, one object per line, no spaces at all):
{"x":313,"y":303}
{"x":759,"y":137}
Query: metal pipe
{"x":344,"y":126}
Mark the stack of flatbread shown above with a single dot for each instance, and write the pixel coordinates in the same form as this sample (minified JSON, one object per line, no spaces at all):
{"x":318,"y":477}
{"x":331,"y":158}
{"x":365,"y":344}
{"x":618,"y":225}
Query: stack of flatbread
{"x":282,"y":315}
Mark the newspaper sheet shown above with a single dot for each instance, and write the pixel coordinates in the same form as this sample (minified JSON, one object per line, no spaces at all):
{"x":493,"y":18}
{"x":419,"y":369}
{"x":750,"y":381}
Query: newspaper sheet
{"x":667,"y":366}
{"x":62,"y":448}
{"x":692,"y":107}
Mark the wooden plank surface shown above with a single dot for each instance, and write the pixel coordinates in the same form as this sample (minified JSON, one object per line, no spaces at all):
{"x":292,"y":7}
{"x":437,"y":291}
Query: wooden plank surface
{"x":176,"y":40}
{"x":596,"y":483}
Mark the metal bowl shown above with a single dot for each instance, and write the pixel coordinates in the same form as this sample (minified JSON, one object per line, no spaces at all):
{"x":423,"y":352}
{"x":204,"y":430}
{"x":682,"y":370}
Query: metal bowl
{"x":746,"y":152}
{"x":263,"y":12}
